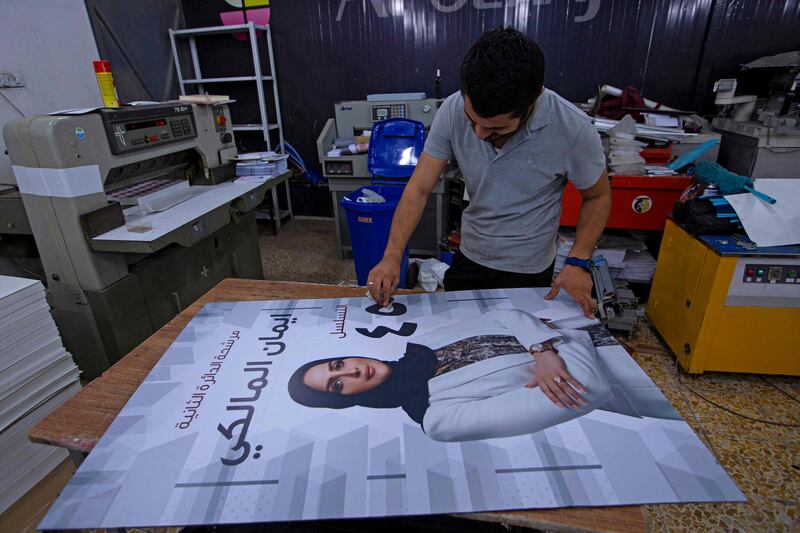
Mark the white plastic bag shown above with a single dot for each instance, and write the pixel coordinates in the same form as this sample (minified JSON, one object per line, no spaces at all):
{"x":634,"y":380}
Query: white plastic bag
{"x":431,"y":273}
{"x":370,"y":197}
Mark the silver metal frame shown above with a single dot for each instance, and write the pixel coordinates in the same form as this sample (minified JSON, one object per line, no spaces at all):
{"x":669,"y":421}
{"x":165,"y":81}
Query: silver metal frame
{"x":275,"y":90}
{"x":264,"y":126}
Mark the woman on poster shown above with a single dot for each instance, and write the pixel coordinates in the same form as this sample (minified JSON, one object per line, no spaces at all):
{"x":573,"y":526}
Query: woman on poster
{"x":505,"y":373}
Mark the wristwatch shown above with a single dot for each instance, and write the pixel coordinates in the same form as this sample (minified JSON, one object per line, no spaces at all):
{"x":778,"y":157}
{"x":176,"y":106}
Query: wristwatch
{"x":548,"y":345}
{"x":585,"y":264}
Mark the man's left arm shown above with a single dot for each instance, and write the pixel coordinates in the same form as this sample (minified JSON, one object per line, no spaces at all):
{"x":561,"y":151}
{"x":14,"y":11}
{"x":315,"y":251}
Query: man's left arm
{"x":595,"y":209}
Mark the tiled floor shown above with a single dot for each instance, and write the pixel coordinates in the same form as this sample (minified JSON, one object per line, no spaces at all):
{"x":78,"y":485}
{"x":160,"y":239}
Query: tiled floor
{"x":763,"y":459}
{"x":304,"y":250}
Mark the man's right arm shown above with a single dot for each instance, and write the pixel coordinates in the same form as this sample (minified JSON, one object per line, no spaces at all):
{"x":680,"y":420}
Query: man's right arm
{"x":383,"y":279}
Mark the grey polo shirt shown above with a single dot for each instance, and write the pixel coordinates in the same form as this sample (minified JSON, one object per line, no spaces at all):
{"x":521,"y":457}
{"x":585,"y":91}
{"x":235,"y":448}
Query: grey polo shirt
{"x":511,"y":222}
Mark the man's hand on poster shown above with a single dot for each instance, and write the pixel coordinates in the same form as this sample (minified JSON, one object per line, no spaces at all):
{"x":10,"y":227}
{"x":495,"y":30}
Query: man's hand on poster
{"x":556,"y":383}
{"x":578,"y":284}
{"x":382,"y":280}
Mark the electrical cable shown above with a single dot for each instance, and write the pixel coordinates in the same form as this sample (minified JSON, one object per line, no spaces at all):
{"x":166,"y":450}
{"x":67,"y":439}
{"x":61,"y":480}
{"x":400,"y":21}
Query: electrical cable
{"x":727,"y":409}
{"x":700,"y":426}
{"x":746,"y":417}
{"x":12,"y":104}
{"x":779,"y":389}
{"x":26,"y":270}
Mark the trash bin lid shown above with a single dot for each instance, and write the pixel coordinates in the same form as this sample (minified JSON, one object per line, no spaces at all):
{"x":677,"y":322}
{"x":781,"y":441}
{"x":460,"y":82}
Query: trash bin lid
{"x":395,"y":147}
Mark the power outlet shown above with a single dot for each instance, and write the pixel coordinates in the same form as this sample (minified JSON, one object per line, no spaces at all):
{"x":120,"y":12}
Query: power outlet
{"x":9,"y":78}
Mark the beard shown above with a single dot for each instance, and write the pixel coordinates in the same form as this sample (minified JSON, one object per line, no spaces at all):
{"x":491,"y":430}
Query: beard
{"x":498,"y":140}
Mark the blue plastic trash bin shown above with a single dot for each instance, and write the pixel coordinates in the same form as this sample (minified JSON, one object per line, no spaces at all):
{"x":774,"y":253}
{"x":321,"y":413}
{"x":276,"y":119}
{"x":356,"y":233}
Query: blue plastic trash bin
{"x":394,"y":149}
{"x":369,"y":225}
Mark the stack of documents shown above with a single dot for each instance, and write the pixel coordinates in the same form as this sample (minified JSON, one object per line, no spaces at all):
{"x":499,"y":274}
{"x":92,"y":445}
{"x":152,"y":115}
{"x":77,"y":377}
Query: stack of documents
{"x":624,"y":150}
{"x":637,"y":267}
{"x":654,"y":133}
{"x":261,"y":165}
{"x":662,"y":121}
{"x":658,"y":170}
{"x":627,"y":257}
{"x":205,"y":99}
{"x":36,"y":375}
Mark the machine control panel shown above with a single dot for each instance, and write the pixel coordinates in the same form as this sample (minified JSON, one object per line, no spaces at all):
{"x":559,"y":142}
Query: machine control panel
{"x":220,"y":120}
{"x":762,"y":281}
{"x":138,"y":128}
{"x":339,"y":168}
{"x":386,"y":111}
{"x":760,"y":273}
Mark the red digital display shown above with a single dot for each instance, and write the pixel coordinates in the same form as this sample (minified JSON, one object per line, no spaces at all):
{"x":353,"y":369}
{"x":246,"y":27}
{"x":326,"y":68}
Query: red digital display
{"x":145,"y":124}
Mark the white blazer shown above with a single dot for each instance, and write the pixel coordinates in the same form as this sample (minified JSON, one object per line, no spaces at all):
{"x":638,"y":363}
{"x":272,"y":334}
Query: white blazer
{"x":488,"y":398}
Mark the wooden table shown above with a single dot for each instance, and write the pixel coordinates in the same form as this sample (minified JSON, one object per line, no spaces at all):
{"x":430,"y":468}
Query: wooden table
{"x":79,"y":423}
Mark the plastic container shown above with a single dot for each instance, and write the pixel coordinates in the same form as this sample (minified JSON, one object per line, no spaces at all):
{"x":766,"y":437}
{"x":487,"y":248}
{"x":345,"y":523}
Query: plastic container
{"x":105,"y":80}
{"x":395,"y":146}
{"x":639,"y":202}
{"x":657,"y":156}
{"x":369,"y":225}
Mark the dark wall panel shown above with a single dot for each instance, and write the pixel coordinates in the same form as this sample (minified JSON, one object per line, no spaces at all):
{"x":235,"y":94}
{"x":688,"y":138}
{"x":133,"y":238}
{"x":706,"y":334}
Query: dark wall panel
{"x":741,"y":31}
{"x":329,"y":50}
{"x":346,"y":49}
{"x":133,"y":37}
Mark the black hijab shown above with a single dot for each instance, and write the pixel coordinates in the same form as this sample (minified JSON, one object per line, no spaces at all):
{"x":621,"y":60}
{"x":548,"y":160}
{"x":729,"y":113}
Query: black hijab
{"x":406,"y":386}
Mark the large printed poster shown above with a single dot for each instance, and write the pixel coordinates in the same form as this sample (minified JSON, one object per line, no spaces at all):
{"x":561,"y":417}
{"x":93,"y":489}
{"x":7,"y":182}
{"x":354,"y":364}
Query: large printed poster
{"x":311,"y":409}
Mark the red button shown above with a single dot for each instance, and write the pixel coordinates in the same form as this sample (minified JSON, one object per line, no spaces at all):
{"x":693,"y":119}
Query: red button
{"x":751,"y":271}
{"x":153,"y":138}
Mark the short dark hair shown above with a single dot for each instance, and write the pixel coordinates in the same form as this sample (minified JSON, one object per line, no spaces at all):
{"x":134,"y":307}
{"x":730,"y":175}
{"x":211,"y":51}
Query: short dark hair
{"x":503,"y":72}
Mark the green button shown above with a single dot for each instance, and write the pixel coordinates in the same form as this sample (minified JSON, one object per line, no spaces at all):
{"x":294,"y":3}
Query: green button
{"x":760,"y":272}
{"x":792,"y":274}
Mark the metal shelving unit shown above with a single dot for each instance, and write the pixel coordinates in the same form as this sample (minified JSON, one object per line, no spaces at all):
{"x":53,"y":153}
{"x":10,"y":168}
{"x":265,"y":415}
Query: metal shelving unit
{"x":198,"y":82}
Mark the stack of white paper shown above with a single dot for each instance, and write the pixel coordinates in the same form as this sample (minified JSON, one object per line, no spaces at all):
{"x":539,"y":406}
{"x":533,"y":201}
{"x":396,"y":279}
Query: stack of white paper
{"x":655,"y":133}
{"x":658,"y":170}
{"x":662,"y":121}
{"x":624,"y":149}
{"x":627,"y":257}
{"x":261,"y":164}
{"x":36,"y":375}
{"x":638,"y":267}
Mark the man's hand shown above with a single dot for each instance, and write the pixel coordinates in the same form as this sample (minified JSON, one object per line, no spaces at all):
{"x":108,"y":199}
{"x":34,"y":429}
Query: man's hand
{"x":556,"y":383}
{"x":383,"y":279}
{"x":578,"y":284}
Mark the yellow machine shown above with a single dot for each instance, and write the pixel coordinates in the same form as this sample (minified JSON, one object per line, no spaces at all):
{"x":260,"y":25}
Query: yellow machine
{"x":723,"y":306}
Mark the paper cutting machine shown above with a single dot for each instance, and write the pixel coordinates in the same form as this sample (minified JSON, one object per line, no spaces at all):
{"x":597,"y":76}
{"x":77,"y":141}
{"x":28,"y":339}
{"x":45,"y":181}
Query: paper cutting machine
{"x":721,"y":304}
{"x":134,"y":215}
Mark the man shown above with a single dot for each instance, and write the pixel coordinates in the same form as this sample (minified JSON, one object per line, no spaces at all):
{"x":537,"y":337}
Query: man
{"x":516,"y":144}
